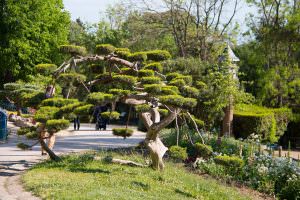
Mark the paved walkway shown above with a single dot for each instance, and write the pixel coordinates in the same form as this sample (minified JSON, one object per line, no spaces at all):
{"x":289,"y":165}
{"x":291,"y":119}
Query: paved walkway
{"x":14,"y":161}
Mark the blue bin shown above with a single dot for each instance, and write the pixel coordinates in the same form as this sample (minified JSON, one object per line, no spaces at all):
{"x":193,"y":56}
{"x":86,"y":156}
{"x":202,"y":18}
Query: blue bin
{"x":3,"y":125}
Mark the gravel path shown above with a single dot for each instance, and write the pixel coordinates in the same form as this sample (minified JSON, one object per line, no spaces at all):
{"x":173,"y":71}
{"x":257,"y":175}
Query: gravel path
{"x":13,"y":161}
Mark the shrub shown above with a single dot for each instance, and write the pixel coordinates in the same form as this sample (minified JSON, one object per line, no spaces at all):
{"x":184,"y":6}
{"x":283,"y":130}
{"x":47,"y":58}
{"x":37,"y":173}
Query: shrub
{"x":153,"y":88}
{"x":187,"y":79}
{"x":150,"y":80}
{"x":142,"y":108}
{"x":156,"y":66}
{"x":189,"y":91}
{"x":146,"y":72}
{"x":233,"y":162}
{"x":56,"y":125}
{"x":128,"y":71}
{"x":158,"y":55}
{"x":72,"y":49}
{"x":119,"y":92}
{"x":170,"y":90}
{"x":125,"y":78}
{"x":29,"y":132}
{"x":84,"y":110}
{"x":123,"y":132}
{"x":98,"y":98}
{"x":180,"y":83}
{"x":138,"y":56}
{"x":123,"y":53}
{"x":104,"y":49}
{"x":203,"y":150}
{"x":171,"y":76}
{"x":178,"y":101}
{"x":178,"y":153}
{"x":58,"y":102}
{"x":46,"y":113}
{"x":45,"y":69}
{"x":110,"y":115}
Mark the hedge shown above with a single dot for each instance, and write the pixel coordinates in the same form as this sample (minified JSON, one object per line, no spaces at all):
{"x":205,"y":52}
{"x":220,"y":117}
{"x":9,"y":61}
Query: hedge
{"x":178,"y":153}
{"x":232,"y":162}
{"x":45,"y":69}
{"x":269,"y":123}
{"x":58,"y":102}
{"x":72,"y":49}
{"x":202,"y":150}
{"x":105,"y":49}
{"x":122,"y":132}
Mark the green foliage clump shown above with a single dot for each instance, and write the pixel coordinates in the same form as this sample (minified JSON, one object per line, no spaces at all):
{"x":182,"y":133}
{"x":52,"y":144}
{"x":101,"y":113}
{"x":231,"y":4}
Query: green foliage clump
{"x":163,"y":112}
{"x":73,"y":50}
{"x":150,"y":80}
{"x":67,"y":110}
{"x":153,"y":88}
{"x":204,"y":151}
{"x":46,"y":113}
{"x":110,"y":115}
{"x":146,"y":72}
{"x":56,"y":125}
{"x":70,"y":78}
{"x":58,"y":102}
{"x":172,"y":75}
{"x":85,"y":110}
{"x":128,"y":71}
{"x":189,"y":91}
{"x":119,"y":92}
{"x":155,"y":66}
{"x":180,"y":83}
{"x":45,"y":69}
{"x":158,"y":55}
{"x":32,"y":99}
{"x":178,"y":153}
{"x":178,"y":101}
{"x":105,"y":49}
{"x":123,"y":132}
{"x":170,"y":90}
{"x":98,"y":98}
{"x":142,"y":108}
{"x":200,"y":85}
{"x":190,"y":122}
{"x":187,"y":79}
{"x":125,"y":78}
{"x":138,"y":56}
{"x":23,"y":146}
{"x":123,"y":53}
{"x":29,"y":132}
{"x":232,"y":162}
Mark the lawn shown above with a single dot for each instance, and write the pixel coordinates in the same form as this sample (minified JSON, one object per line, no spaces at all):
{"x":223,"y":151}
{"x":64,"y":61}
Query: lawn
{"x":82,"y":177}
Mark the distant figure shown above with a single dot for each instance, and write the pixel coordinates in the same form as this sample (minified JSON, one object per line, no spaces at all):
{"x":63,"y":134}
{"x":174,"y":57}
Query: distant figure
{"x":76,"y":123}
{"x":100,"y":121}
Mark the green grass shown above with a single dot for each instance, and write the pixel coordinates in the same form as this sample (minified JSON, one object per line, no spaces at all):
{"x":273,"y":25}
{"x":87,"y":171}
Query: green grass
{"x":81,"y":177}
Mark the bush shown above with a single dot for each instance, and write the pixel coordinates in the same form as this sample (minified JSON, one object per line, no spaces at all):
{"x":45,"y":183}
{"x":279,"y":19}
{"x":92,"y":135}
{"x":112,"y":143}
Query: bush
{"x":110,"y":115}
{"x":150,"y":80}
{"x":146,"y":72}
{"x":29,"y":132}
{"x":98,"y":98}
{"x":46,"y":113}
{"x":45,"y":69}
{"x":189,"y":91}
{"x":58,"y":102}
{"x":178,"y":153}
{"x":156,"y":66}
{"x":56,"y":125}
{"x":105,"y":49}
{"x":72,"y":49}
{"x":123,"y":132}
{"x":142,"y":108}
{"x":232,"y":162}
{"x":158,"y":55}
{"x":126,"y":79}
{"x":138,"y":56}
{"x":178,"y":101}
{"x":153,"y":88}
{"x":170,"y":90}
{"x":180,"y":83}
{"x":84,"y":110}
{"x":171,"y":76}
{"x":119,"y":92}
{"x":204,"y":151}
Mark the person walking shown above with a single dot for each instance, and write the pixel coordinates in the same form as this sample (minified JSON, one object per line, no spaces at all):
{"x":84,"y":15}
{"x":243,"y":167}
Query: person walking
{"x":76,"y":123}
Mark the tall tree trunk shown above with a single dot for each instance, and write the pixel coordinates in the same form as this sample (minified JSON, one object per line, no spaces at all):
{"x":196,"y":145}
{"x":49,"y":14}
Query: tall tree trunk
{"x":227,"y":120}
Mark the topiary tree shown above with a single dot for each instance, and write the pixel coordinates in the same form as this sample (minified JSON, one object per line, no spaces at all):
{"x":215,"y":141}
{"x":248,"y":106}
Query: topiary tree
{"x":150,"y":91}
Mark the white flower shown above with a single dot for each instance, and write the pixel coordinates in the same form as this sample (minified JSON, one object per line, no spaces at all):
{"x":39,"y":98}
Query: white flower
{"x":262,"y":170}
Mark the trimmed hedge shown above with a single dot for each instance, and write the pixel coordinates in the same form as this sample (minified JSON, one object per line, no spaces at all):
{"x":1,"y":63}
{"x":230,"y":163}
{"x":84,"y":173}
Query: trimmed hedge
{"x":153,"y":88}
{"x":105,"y":49}
{"x":178,"y":83}
{"x":138,"y":56}
{"x":122,"y":132}
{"x":178,"y":153}
{"x":125,"y":78}
{"x":204,"y":151}
{"x":150,"y":80}
{"x":170,"y":90}
{"x":72,"y":49}
{"x":232,"y":162}
{"x":269,"y":123}
{"x":146,"y":72}
{"x":171,"y":76}
{"x":158,"y":55}
{"x":45,"y":69}
{"x":155,"y":66}
{"x":55,"y":125}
